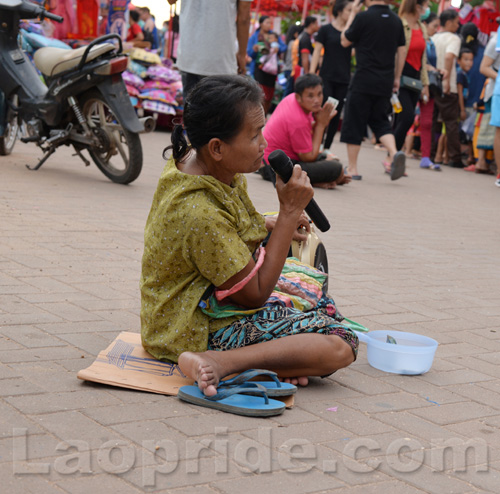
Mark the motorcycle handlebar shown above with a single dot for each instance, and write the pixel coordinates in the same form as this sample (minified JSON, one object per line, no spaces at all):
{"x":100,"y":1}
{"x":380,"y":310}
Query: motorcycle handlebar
{"x":31,"y":11}
{"x":51,"y":16}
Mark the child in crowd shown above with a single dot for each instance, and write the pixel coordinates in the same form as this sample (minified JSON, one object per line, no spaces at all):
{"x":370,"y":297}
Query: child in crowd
{"x":465,"y":62}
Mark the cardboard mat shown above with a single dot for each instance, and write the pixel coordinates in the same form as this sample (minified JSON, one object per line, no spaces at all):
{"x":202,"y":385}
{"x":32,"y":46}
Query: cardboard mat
{"x":126,"y":364}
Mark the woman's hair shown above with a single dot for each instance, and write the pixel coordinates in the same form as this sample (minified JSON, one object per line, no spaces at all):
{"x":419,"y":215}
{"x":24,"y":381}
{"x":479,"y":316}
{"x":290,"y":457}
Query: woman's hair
{"x":430,"y":18}
{"x":290,"y":35}
{"x":339,"y":6}
{"x":134,"y":15}
{"x":469,"y":34}
{"x":306,"y":81}
{"x":214,"y":108}
{"x":409,"y":6}
{"x":262,"y":18}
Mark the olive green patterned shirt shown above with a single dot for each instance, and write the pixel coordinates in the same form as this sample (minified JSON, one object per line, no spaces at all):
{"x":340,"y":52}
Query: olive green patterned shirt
{"x":200,"y":232}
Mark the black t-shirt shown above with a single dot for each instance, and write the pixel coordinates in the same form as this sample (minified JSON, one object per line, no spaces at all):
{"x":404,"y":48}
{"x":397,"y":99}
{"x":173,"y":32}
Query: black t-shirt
{"x":336,"y":65}
{"x":376,"y":35}
{"x":305,"y":43}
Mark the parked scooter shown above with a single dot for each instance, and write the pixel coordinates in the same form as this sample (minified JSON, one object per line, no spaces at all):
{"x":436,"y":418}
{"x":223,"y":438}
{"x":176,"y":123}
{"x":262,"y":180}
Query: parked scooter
{"x":84,"y":102}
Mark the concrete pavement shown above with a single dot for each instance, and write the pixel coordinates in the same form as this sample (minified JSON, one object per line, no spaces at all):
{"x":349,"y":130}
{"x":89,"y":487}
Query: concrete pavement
{"x":418,"y":255}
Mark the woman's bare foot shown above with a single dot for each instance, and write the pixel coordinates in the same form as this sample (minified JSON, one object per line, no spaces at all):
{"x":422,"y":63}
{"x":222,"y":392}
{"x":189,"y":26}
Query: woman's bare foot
{"x":296,"y":381}
{"x":325,"y":185}
{"x":204,"y":369}
{"x":345,"y":179}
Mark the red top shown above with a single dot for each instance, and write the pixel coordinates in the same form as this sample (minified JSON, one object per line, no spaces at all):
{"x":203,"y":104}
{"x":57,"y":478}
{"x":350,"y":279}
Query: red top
{"x":133,"y":31}
{"x":416,"y":49}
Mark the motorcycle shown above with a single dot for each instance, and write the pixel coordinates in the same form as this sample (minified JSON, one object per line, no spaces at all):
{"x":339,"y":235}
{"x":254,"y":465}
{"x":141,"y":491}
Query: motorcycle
{"x":84,"y":102}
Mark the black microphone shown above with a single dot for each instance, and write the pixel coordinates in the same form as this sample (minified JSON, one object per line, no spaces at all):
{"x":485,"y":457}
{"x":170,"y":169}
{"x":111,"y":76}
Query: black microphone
{"x":283,"y":167}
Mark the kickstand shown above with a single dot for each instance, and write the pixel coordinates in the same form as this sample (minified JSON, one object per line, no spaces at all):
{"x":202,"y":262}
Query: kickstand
{"x":79,"y":153}
{"x":49,"y":153}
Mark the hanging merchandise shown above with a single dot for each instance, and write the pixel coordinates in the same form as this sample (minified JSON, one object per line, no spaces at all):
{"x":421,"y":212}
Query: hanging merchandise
{"x":118,"y":17}
{"x":88,"y":18}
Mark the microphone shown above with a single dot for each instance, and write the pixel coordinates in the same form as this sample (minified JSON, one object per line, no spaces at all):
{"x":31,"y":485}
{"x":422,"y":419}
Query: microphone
{"x":283,"y":167}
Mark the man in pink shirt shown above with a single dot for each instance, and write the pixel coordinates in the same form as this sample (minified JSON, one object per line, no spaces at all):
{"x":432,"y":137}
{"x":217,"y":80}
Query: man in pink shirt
{"x":297,"y":126}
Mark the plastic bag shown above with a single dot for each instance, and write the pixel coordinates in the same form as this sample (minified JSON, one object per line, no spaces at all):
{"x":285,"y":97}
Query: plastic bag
{"x":270,"y":66}
{"x":469,"y":124}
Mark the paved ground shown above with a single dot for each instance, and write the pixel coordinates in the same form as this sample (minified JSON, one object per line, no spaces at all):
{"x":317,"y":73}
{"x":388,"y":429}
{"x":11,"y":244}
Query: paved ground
{"x":416,"y":255}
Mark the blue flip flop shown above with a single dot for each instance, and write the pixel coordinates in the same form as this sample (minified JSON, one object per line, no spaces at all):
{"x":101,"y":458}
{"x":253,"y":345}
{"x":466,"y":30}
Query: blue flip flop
{"x":273,"y":388}
{"x":235,"y":399}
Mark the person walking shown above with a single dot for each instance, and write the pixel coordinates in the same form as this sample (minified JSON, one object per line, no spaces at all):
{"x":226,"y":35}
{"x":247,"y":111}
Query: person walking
{"x":427,"y":108}
{"x":414,"y":80}
{"x":291,"y":37}
{"x":208,"y":36}
{"x":306,"y":48}
{"x":378,"y":37}
{"x":447,"y":45}
{"x":336,"y":66}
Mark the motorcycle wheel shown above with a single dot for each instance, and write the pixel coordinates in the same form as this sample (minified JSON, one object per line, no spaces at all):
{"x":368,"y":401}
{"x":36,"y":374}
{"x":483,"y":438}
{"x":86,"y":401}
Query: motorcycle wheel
{"x":8,"y":140}
{"x":119,"y":154}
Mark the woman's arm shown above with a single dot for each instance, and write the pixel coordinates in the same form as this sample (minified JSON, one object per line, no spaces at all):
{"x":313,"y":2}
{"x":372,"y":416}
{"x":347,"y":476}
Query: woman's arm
{"x":316,"y":56}
{"x":356,"y":8}
{"x":251,"y":43}
{"x":294,"y":197}
{"x":486,"y":67}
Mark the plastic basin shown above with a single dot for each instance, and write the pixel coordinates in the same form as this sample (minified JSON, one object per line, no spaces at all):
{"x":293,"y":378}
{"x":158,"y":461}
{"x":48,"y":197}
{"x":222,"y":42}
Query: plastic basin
{"x":413,"y":354}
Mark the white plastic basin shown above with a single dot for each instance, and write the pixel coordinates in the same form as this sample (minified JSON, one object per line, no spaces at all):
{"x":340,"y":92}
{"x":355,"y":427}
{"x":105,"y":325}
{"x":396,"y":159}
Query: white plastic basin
{"x":413,"y":354}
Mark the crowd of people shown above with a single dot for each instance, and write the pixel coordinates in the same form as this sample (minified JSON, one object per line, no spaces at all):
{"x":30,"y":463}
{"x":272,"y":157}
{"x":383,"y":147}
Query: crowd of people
{"x":441,"y":85}
{"x":142,"y":31}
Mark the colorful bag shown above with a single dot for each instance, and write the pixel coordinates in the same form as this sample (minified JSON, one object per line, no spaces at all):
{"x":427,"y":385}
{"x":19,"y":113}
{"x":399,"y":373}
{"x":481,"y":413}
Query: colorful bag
{"x":299,"y":286}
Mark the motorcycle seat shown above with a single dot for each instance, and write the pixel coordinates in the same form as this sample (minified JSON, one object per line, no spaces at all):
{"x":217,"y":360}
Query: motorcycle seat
{"x":53,"y":61}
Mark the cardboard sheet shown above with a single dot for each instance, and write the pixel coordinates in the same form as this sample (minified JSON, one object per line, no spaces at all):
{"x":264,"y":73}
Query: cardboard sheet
{"x":125,"y":363}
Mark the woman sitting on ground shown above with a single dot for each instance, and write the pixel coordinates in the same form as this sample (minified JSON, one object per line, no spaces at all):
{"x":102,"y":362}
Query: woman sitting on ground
{"x":203,"y":232}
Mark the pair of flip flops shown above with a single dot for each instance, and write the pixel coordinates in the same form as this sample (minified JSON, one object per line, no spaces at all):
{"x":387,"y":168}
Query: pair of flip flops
{"x":242,"y":396}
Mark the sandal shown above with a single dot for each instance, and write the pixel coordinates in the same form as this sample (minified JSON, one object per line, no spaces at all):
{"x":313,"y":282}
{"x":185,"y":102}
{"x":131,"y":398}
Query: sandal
{"x":273,"y":388}
{"x":484,"y":172}
{"x":235,"y":399}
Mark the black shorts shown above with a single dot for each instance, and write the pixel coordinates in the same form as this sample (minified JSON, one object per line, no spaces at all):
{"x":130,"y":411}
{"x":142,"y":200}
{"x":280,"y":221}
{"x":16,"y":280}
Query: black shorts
{"x":363,"y":109}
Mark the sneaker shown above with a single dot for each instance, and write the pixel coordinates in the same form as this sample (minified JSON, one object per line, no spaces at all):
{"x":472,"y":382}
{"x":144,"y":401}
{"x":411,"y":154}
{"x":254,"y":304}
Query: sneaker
{"x":426,"y":163}
{"x":436,"y":167}
{"x":497,"y":181}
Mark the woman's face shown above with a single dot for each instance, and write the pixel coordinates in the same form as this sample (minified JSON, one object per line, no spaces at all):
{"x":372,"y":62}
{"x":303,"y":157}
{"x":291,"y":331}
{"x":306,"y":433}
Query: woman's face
{"x":266,"y":25}
{"x":344,"y":15}
{"x":432,"y":27}
{"x":245,"y":152}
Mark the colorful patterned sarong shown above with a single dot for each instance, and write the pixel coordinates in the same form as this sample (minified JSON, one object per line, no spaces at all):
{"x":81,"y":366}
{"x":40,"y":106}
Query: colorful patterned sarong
{"x":276,"y":321}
